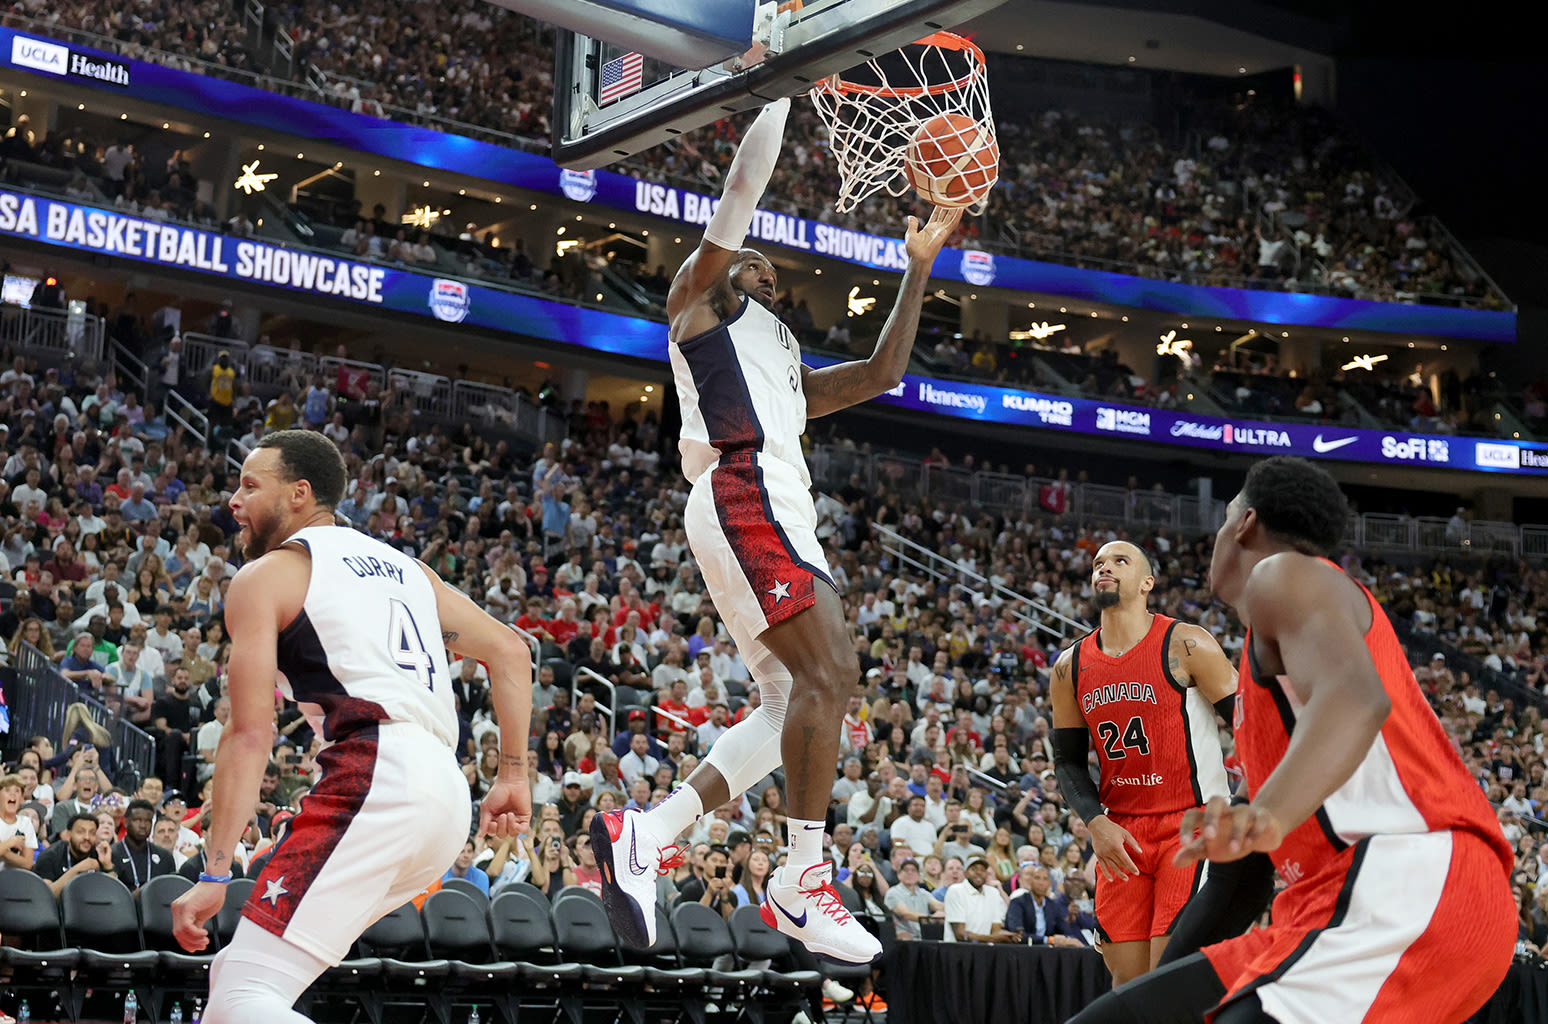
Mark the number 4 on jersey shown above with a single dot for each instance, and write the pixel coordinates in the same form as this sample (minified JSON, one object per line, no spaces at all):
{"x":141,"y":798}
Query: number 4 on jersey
{"x":1133,"y":738}
{"x":407,"y":646}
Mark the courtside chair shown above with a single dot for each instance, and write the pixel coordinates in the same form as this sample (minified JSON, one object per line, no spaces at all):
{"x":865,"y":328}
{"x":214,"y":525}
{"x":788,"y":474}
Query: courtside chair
{"x":703,"y":938}
{"x":457,"y":931}
{"x":179,"y":973}
{"x":100,"y":919}
{"x":41,"y":963}
{"x":467,"y":888}
{"x":530,"y":890}
{"x":669,"y":984}
{"x":584,"y":933}
{"x":524,"y":935}
{"x":756,"y":941}
{"x":410,"y":977}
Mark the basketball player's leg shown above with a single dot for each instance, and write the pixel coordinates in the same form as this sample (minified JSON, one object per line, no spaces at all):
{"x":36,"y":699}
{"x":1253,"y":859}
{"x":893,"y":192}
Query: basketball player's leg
{"x":342,"y":866}
{"x":1124,"y":912}
{"x":1174,"y":886}
{"x":815,"y":646}
{"x":751,"y":577}
{"x":1179,"y":993}
{"x":258,"y":978}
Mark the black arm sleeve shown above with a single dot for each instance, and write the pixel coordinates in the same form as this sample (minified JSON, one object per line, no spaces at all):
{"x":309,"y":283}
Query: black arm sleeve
{"x":1080,"y":791}
{"x":1225,"y":707}
{"x":1233,"y":896}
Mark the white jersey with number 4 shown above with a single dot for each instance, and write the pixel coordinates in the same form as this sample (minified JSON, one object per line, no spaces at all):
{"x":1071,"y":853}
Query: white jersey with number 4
{"x":366,"y":647}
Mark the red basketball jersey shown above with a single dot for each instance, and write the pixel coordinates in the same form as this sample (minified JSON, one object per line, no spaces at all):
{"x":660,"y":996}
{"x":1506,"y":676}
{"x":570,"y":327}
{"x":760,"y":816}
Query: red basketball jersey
{"x":1155,"y":738}
{"x":1411,"y":780}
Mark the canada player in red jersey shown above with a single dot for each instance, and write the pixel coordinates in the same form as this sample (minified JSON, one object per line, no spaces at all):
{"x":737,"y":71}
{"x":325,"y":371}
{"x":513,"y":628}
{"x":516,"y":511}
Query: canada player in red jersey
{"x":1398,"y":904}
{"x":1145,"y":687}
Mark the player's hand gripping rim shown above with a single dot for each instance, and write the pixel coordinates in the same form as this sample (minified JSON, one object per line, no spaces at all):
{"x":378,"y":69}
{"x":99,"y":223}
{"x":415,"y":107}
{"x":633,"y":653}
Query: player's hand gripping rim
{"x":1108,"y":842}
{"x":1220,"y":831}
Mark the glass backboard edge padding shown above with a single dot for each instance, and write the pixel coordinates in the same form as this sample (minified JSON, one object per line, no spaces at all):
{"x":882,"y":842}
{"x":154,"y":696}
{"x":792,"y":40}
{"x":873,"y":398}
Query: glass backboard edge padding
{"x":679,"y":104}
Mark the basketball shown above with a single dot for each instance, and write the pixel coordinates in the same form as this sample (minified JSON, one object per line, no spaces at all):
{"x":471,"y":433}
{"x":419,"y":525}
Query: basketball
{"x":953,"y":160}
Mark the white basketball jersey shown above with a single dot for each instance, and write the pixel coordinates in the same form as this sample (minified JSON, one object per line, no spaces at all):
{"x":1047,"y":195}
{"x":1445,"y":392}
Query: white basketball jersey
{"x":739,"y":385}
{"x":366,"y":646}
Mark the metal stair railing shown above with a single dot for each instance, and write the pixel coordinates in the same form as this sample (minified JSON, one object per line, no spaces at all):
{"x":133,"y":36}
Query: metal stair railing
{"x":1042,"y":618}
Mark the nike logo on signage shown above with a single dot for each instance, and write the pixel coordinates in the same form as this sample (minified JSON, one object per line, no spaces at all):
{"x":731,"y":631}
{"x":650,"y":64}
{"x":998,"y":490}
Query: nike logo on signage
{"x":1321,"y":446}
{"x":799,"y":922}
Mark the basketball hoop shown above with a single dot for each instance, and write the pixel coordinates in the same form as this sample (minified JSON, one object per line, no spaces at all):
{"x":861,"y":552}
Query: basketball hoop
{"x":873,"y":110}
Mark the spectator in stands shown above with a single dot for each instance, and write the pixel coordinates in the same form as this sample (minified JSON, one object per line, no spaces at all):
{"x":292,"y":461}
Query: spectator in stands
{"x":975,"y":907}
{"x":76,"y":853}
{"x":136,"y":860}
{"x":911,"y":903}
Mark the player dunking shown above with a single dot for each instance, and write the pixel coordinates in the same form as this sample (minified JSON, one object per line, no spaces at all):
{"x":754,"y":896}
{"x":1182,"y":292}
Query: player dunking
{"x":353,"y":630}
{"x":1398,"y":906}
{"x":746,"y":397}
{"x":1146,"y":687}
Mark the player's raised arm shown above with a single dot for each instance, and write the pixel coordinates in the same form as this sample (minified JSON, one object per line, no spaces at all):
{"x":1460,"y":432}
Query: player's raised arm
{"x":705,"y":270}
{"x":844,"y":384}
{"x":470,"y":631}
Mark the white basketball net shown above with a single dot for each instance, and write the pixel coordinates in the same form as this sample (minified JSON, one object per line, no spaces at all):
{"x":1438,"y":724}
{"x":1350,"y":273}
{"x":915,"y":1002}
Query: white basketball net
{"x":873,"y":110}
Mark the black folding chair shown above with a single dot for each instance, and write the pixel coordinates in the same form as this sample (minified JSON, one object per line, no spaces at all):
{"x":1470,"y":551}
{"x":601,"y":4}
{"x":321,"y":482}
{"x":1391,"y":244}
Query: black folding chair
{"x":457,"y":931}
{"x":523,"y":934}
{"x":467,"y":888}
{"x":755,"y":940}
{"x":100,"y":919}
{"x":528,"y":889}
{"x":179,"y":973}
{"x":702,"y":939}
{"x":41,"y":963}
{"x":584,"y":933}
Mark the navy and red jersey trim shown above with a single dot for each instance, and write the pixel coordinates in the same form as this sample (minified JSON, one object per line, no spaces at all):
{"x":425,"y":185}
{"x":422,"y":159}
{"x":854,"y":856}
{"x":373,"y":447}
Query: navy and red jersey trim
{"x":725,"y":400}
{"x":314,"y":835}
{"x":783,"y":581}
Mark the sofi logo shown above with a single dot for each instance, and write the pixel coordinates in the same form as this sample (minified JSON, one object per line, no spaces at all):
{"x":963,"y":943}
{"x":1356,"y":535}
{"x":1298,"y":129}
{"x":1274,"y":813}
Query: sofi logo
{"x":1417,"y":449}
{"x":1497,"y":456}
{"x":39,"y":56}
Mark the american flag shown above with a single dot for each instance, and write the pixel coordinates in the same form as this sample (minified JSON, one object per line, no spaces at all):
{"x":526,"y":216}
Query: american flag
{"x":621,"y":77}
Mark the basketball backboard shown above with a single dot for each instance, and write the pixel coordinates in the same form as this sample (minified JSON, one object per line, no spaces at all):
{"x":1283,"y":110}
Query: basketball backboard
{"x":612,"y":101}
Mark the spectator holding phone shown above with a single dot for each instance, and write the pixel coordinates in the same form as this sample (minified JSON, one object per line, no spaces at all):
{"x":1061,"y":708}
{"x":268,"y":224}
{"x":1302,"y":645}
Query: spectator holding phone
{"x":718,"y":894}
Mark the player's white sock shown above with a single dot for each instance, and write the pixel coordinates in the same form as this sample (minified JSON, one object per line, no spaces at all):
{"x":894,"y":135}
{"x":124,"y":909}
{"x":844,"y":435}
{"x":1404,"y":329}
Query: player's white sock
{"x":805,"y":846}
{"x":675,"y":814}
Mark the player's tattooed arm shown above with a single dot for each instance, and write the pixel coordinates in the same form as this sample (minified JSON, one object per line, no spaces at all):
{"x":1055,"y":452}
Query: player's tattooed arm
{"x":449,"y":636}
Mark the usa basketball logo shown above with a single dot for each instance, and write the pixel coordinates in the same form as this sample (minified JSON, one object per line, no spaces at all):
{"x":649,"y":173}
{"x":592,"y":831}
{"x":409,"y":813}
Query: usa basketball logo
{"x":977,"y":267}
{"x":578,"y":185}
{"x":450,"y":300}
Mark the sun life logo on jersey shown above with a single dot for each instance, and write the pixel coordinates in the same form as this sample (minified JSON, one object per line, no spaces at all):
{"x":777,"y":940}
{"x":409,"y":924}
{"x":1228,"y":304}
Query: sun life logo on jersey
{"x":450,"y":300}
{"x":578,"y":185}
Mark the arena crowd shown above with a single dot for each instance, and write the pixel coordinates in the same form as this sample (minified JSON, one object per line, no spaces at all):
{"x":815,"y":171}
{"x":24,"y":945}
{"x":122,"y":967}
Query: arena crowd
{"x":117,"y":543}
{"x":1251,"y":191}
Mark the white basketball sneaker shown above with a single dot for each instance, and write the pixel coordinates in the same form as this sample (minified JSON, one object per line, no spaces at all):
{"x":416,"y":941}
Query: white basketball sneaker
{"x":810,"y":911}
{"x":630,"y":862}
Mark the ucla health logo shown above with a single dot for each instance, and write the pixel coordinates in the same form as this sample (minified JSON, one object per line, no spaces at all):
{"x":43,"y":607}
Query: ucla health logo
{"x":39,"y":56}
{"x":578,"y":185}
{"x":450,"y":300}
{"x":977,"y":267}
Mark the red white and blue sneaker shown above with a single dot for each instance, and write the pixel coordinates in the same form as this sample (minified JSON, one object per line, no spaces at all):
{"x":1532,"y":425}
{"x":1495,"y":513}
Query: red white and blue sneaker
{"x":630,"y":861}
{"x":809,"y":910}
